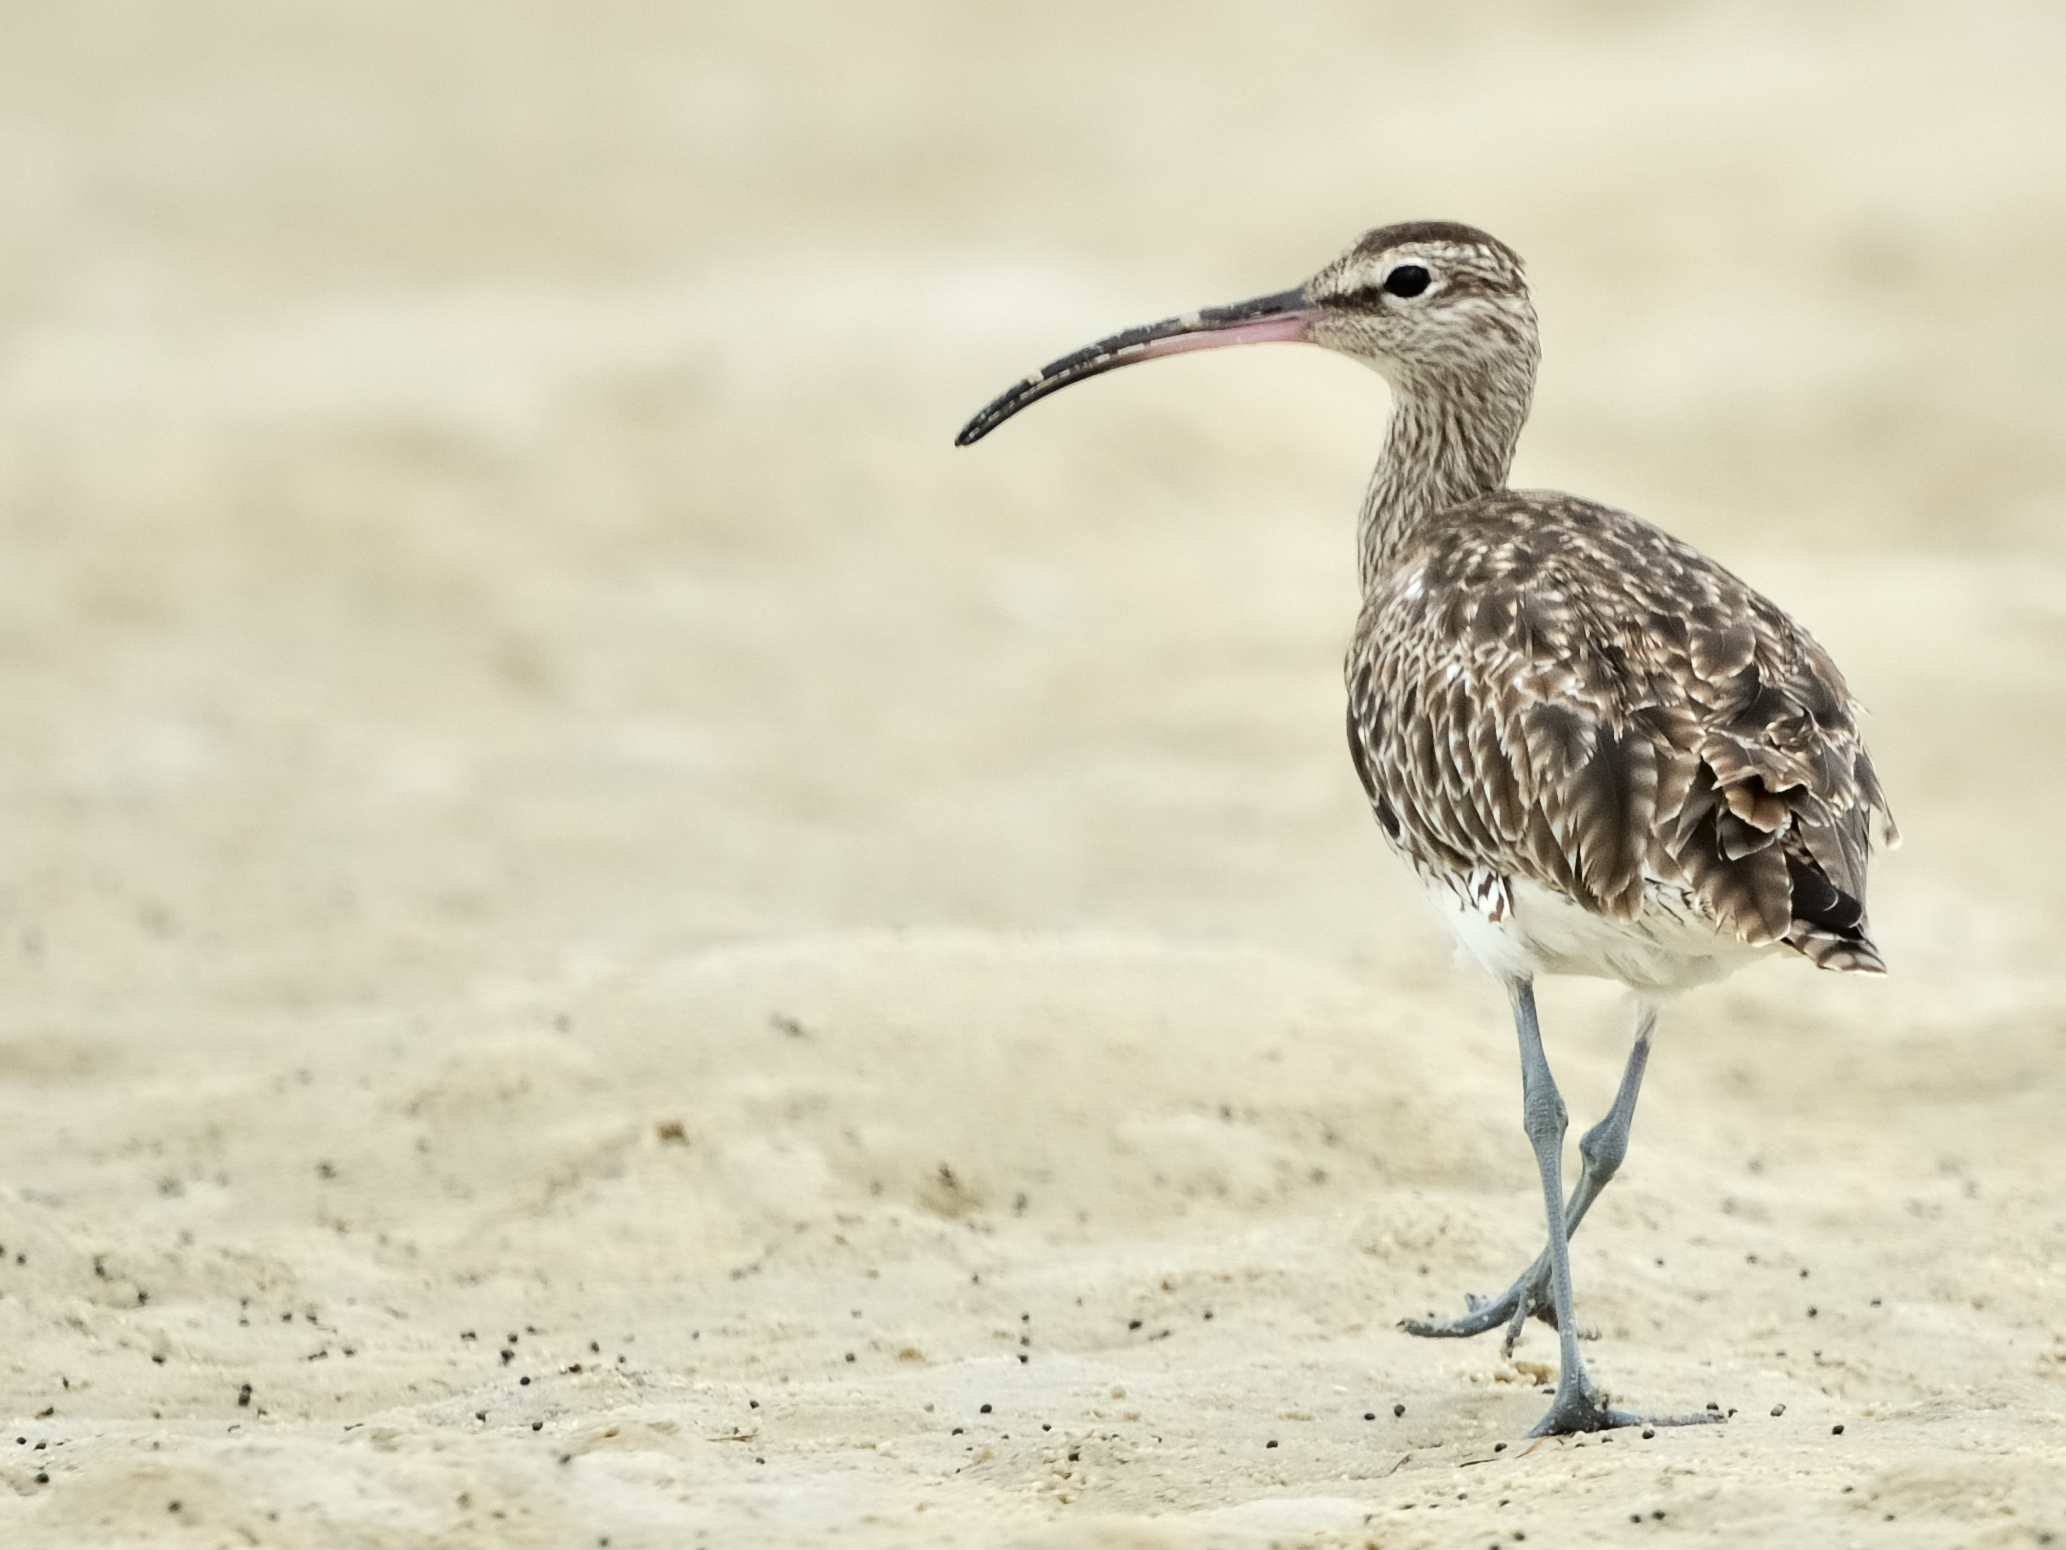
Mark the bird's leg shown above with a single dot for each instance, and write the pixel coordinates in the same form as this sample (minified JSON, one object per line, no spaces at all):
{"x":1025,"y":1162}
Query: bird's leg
{"x":1600,"y":1150}
{"x":1579,"y":1405}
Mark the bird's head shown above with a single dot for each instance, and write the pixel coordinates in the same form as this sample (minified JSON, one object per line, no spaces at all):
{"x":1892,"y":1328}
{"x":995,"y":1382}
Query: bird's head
{"x":1427,"y":303}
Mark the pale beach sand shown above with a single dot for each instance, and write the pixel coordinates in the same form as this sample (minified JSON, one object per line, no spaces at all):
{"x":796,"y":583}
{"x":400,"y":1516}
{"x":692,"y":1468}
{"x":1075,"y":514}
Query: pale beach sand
{"x":606,"y":941}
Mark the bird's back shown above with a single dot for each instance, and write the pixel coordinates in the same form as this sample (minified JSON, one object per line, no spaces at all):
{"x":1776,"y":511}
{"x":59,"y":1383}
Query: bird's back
{"x":1545,"y":691}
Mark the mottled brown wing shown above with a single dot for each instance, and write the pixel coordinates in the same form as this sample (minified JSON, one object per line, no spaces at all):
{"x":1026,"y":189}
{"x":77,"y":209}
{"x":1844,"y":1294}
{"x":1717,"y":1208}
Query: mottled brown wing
{"x":1559,"y":692}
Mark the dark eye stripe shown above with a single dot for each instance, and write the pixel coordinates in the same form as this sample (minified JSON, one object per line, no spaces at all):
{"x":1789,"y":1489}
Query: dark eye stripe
{"x":1406,"y":280}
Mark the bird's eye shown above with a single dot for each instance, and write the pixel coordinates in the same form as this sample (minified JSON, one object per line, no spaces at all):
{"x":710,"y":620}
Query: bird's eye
{"x":1406,"y":280}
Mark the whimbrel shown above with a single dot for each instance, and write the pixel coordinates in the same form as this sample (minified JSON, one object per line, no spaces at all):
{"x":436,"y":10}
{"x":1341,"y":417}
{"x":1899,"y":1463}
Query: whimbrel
{"x":1600,"y":752}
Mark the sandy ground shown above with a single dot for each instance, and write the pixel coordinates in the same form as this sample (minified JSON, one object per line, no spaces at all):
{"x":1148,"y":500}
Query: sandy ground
{"x":607,"y":942}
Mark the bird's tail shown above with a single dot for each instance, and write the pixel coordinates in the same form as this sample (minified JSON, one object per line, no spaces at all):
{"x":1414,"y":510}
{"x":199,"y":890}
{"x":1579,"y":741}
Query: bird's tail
{"x":1852,"y":953}
{"x":1828,"y":924}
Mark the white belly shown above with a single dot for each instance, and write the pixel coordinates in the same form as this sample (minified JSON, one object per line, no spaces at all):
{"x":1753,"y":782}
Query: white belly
{"x":1519,"y":930}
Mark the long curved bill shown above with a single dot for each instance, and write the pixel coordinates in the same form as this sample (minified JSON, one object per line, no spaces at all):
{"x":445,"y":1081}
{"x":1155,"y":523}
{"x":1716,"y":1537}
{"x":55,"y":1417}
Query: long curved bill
{"x":1283,"y":316}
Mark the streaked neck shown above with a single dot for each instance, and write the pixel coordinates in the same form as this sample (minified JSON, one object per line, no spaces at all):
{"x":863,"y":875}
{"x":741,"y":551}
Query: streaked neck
{"x":1449,"y":441}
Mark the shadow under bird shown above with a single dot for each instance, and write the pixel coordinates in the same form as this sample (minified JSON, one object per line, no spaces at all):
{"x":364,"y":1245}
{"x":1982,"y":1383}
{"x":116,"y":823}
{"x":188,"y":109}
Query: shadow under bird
{"x":1600,"y":752}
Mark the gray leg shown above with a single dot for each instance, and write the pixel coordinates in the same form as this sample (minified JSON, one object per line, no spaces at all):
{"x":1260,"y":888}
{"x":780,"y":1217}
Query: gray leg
{"x":1578,"y":1406}
{"x":1601,"y":1150}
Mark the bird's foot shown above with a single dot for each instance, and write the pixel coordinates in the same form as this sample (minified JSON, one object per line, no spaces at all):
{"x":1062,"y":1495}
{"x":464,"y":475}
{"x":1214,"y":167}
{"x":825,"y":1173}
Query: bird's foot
{"x":1528,"y":1297}
{"x":1580,"y":1407}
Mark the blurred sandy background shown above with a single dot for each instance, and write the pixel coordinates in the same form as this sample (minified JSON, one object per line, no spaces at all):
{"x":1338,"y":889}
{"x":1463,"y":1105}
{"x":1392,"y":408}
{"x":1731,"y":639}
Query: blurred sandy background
{"x":605,"y":941}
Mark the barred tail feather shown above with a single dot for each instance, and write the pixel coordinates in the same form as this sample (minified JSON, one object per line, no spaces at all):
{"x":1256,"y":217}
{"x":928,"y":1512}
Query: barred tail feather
{"x":1841,"y":954}
{"x":1828,"y":924}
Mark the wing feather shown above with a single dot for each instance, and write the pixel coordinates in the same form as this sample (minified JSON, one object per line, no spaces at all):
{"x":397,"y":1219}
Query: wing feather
{"x":1562,"y":693}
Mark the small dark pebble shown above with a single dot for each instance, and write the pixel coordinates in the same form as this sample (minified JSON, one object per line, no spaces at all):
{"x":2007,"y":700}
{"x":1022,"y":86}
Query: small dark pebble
{"x":957,"y":1431}
{"x":1133,"y":1323}
{"x":752,"y":1404}
{"x":43,"y":1479}
{"x":850,"y":1356}
{"x":1370,"y":1415}
{"x":1499,"y":1447}
{"x":1397,"y":1411}
{"x":1023,"y":1358}
{"x":1648,"y":1434}
{"x":480,"y":1415}
{"x":537,"y":1426}
{"x":1271,"y":1443}
{"x":159,"y":1360}
{"x":760,"y":1461}
{"x":1811,"y":1313}
{"x":1837,"y":1430}
{"x":523,"y":1383}
{"x":1779,"y":1410}
{"x":1658,"y":1514}
{"x":508,"y":1356}
{"x":1635,"y":1517}
{"x":986,"y":1409}
{"x":244,"y":1395}
{"x":1045,"y":1427}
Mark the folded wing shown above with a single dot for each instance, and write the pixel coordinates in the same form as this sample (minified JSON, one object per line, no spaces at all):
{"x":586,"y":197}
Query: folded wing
{"x":1562,"y":693}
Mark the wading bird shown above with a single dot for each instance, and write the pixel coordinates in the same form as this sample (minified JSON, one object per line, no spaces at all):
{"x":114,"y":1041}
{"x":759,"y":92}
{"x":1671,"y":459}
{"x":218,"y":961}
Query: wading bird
{"x":1600,"y":752}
